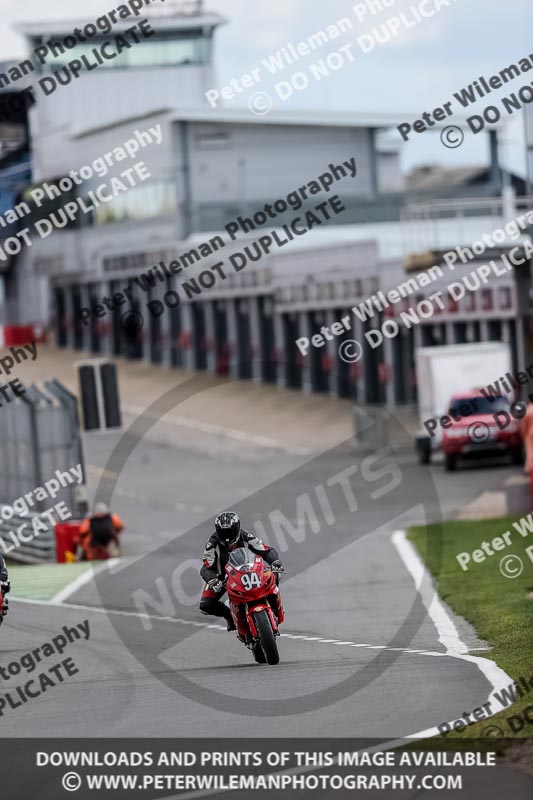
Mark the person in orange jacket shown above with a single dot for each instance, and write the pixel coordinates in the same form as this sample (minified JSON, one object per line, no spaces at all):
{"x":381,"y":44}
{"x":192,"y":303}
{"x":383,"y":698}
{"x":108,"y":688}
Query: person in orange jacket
{"x":98,"y":532}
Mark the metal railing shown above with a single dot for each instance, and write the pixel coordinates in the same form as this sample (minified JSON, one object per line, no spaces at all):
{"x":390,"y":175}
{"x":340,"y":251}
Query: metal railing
{"x":436,"y":224}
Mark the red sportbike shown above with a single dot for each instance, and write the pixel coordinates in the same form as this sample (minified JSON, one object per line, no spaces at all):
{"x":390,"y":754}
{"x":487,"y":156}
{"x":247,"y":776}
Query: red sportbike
{"x":255,"y":603}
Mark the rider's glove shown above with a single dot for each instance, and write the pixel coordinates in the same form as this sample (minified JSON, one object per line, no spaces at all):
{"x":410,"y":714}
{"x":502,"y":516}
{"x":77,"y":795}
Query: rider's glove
{"x":277,"y":566}
{"x":5,"y":586}
{"x":215,"y":585}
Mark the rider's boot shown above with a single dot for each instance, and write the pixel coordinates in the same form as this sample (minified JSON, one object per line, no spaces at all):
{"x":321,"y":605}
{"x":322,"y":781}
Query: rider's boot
{"x":228,"y":617}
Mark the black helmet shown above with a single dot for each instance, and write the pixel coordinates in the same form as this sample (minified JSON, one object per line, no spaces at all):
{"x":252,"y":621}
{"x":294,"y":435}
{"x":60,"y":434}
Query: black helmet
{"x":228,"y":527}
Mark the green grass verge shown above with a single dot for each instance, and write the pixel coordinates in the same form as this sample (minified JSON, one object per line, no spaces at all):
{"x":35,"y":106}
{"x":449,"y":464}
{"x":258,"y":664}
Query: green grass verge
{"x":43,"y":581}
{"x":499,"y":608}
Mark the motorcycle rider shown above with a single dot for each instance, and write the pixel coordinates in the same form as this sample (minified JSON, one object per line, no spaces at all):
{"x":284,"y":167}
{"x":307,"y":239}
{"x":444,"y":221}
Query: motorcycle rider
{"x":98,"y":531}
{"x":228,"y":536}
{"x":5,"y":586}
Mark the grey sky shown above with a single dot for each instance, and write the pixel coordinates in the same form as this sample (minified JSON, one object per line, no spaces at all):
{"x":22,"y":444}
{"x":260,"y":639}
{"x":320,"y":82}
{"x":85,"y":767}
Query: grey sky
{"x":417,"y":71}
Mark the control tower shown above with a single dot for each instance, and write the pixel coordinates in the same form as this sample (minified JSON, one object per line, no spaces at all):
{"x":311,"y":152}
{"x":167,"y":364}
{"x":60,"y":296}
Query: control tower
{"x":170,"y":70}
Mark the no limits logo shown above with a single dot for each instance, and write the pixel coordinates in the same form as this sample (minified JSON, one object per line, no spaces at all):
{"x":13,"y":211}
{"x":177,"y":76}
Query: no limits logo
{"x":310,"y":518}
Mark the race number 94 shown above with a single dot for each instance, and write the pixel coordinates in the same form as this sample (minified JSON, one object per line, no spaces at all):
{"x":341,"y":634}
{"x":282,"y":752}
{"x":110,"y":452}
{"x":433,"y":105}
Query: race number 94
{"x":250,"y":580}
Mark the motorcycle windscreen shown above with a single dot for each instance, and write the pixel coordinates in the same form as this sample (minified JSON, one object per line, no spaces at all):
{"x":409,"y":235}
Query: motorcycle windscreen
{"x":241,"y":558}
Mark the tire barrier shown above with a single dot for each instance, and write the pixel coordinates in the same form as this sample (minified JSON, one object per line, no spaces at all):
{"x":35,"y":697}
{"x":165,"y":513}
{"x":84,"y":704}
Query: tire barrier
{"x":100,"y":401}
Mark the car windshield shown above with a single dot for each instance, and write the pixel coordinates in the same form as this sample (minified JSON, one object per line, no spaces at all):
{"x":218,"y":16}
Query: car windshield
{"x":468,"y":406}
{"x":241,"y":557}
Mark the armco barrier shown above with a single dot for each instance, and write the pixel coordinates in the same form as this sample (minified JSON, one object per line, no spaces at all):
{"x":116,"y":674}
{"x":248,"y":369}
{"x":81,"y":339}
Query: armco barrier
{"x":40,"y":549}
{"x":16,"y":335}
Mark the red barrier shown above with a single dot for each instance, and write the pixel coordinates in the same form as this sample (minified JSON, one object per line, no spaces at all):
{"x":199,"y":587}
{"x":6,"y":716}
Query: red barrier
{"x":16,"y":335}
{"x":66,"y":540}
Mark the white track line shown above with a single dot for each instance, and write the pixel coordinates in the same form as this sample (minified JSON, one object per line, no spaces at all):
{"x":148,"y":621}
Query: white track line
{"x":82,"y":580}
{"x":222,"y":628}
{"x":448,"y":634}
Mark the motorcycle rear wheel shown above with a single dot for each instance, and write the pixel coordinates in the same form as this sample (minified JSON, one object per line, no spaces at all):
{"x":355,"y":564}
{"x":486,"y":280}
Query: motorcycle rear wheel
{"x":266,"y":637}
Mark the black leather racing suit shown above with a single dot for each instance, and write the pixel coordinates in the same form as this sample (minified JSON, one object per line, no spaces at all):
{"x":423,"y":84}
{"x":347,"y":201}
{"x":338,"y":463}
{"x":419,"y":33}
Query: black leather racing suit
{"x":4,"y":586}
{"x":216,"y":554}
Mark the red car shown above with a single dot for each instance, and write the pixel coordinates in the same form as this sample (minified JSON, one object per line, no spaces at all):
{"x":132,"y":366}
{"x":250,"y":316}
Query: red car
{"x":472,"y":429}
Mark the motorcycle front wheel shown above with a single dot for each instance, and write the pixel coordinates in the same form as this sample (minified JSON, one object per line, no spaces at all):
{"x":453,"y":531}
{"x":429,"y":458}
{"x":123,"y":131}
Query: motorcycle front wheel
{"x":259,"y":656}
{"x":266,"y":637}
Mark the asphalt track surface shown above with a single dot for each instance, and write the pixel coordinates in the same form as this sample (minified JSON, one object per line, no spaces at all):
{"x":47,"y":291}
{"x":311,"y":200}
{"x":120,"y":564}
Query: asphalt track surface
{"x":352,"y":609}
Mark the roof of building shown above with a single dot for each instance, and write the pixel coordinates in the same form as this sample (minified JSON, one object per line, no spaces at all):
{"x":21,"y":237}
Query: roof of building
{"x":345,"y":119}
{"x":385,"y":121}
{"x":435,"y":177}
{"x":432,"y":176}
{"x":165,"y":24}
{"x":327,"y":239}
{"x":244,"y":116}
